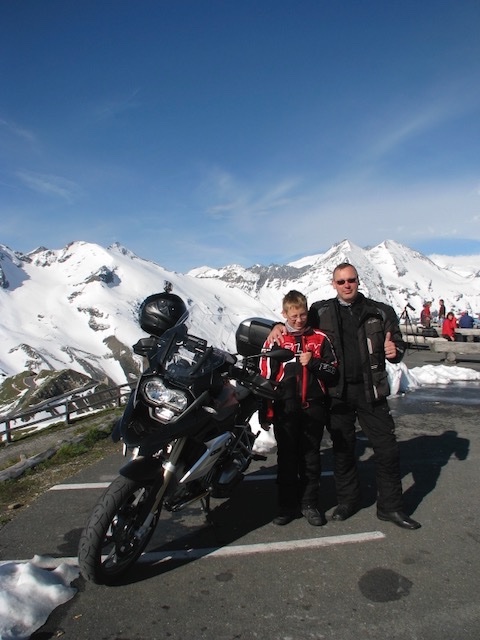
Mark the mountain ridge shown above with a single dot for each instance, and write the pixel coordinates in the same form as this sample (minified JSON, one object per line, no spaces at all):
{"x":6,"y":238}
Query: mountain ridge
{"x":76,"y":307}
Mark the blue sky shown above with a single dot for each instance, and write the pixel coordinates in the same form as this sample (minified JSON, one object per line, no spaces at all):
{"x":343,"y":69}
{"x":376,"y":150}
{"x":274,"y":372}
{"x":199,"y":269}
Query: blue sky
{"x":208,"y":132}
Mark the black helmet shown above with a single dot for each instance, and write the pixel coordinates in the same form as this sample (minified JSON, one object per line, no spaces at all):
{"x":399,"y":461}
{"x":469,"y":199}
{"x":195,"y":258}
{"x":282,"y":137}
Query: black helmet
{"x":160,"y":312}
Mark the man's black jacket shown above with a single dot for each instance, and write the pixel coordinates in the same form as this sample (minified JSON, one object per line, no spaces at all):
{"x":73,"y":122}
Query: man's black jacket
{"x":374,"y":321}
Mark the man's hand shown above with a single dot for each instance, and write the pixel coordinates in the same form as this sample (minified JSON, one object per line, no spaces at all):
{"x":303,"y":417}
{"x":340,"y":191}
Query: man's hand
{"x":277,"y":333}
{"x":390,"y":348}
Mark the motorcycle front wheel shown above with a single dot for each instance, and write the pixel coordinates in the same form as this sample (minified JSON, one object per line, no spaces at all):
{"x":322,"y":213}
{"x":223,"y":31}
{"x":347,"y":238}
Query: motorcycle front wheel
{"x":114,"y":536}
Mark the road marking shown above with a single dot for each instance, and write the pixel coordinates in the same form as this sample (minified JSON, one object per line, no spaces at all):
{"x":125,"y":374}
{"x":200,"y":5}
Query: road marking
{"x":84,"y":485}
{"x":252,"y":477}
{"x":273,"y":476}
{"x":158,"y":557}
{"x":264,"y":547}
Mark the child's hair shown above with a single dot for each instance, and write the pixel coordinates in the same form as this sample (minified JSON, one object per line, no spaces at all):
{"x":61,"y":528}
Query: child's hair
{"x":294,"y":299}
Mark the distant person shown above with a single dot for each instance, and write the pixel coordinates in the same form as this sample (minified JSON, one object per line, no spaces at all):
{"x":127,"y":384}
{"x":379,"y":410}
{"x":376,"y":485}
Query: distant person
{"x":365,"y":333}
{"x":300,"y":414}
{"x":441,"y":311}
{"x":426,"y":315}
{"x":466,"y":321}
{"x":448,"y":327}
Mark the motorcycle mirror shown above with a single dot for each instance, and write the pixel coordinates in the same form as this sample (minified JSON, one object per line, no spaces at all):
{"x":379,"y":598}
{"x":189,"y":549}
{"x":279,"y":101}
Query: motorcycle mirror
{"x":282,"y":355}
{"x":144,"y":346}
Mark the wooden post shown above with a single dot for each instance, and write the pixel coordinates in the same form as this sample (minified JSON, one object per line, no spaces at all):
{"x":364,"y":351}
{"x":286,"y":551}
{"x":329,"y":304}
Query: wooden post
{"x":8,"y":431}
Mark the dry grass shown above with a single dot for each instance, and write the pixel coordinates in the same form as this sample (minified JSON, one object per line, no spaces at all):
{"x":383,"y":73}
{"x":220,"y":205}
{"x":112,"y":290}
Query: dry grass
{"x":17,"y":494}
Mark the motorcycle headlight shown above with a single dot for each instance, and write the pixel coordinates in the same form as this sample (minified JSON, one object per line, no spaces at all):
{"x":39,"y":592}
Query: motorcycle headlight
{"x":158,"y":394}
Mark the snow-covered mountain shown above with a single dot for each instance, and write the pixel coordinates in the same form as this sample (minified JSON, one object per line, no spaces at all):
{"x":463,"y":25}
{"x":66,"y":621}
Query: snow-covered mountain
{"x":76,"y":308}
{"x":390,"y":272}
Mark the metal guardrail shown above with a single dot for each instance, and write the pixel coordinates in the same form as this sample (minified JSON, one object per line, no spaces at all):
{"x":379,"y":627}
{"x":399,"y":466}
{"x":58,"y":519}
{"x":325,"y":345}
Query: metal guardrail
{"x":69,"y":407}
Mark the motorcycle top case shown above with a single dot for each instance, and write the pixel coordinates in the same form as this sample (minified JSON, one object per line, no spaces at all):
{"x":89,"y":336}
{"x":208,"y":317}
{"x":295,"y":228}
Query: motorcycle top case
{"x":251,"y":335}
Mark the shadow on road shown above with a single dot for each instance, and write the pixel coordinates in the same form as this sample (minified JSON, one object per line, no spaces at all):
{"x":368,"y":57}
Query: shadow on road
{"x":423,"y":457}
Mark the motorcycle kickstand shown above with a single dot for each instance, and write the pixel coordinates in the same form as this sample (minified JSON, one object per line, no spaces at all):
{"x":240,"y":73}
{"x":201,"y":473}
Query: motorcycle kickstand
{"x":205,"y":502}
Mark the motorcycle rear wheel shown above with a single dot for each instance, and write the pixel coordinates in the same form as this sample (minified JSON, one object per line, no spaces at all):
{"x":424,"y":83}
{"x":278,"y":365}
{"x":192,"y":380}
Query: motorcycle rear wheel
{"x":110,"y":543}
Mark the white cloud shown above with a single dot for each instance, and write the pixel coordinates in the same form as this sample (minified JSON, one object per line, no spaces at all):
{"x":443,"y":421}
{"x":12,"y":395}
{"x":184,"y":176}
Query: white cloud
{"x":299,"y":221}
{"x":18,"y":131}
{"x":438,"y":105}
{"x":50,"y":185}
{"x":113,"y":107}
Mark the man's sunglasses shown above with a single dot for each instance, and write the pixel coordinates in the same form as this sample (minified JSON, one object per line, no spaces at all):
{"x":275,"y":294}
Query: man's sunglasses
{"x":349,"y":280}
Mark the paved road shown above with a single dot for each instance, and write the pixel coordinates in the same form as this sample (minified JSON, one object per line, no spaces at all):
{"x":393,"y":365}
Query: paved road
{"x":359,"y":579}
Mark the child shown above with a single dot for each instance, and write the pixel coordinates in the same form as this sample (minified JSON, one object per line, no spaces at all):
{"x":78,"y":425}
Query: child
{"x":300,"y":413}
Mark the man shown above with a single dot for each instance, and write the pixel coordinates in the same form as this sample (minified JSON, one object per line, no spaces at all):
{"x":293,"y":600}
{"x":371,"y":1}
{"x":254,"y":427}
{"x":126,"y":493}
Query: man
{"x":442,"y":312}
{"x":364,"y":334}
{"x":466,"y":321}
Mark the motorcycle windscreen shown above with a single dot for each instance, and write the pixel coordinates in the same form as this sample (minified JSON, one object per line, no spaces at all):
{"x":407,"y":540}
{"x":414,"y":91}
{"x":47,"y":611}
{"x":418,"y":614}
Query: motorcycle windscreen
{"x":191,"y":361}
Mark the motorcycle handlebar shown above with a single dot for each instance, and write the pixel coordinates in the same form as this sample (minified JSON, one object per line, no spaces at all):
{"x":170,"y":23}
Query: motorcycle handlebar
{"x":249,"y":377}
{"x":255,"y":383}
{"x":239,"y":374}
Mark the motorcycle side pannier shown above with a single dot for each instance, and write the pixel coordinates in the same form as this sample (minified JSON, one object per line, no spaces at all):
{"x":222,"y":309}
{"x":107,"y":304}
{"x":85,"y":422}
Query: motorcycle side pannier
{"x":251,"y":335}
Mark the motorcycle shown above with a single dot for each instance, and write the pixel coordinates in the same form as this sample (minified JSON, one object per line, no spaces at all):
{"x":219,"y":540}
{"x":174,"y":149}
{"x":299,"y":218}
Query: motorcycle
{"x":187,"y":427}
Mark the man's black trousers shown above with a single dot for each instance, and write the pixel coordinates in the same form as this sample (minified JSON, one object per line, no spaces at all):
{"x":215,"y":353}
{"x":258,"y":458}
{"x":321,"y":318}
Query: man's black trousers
{"x":379,"y":427}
